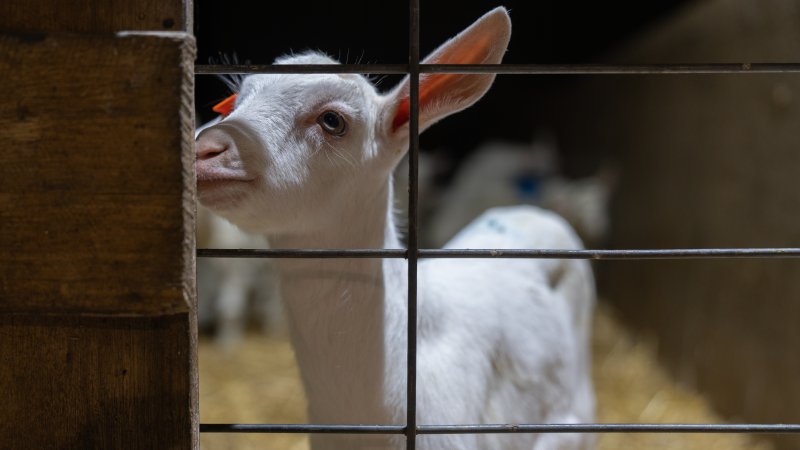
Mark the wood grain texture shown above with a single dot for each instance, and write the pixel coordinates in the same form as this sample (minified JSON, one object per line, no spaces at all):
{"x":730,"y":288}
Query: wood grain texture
{"x":708,"y":161}
{"x":77,"y":382}
{"x":96,"y":174}
{"x":97,"y":313}
{"x":94,"y":16}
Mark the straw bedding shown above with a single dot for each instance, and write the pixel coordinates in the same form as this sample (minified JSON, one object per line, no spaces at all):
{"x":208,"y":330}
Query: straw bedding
{"x":258,"y":382}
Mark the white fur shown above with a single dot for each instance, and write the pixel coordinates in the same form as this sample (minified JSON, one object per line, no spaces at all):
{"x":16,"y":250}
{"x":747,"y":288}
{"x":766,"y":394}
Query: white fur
{"x":499,"y":340}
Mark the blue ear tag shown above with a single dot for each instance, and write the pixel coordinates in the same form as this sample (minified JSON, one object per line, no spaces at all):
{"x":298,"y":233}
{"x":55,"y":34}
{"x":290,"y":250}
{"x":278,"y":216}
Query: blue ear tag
{"x":528,"y":186}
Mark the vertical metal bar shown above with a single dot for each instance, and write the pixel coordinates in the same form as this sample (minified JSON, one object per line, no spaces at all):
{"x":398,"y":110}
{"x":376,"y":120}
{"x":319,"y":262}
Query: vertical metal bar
{"x":413,"y":244}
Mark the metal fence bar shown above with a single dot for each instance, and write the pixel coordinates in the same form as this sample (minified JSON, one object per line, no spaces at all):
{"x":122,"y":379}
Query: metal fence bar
{"x":616,"y":254}
{"x":509,"y":69}
{"x":300,"y":253}
{"x":611,"y":428}
{"x":222,"y":69}
{"x":611,"y":69}
{"x":691,"y":253}
{"x":300,"y":428}
{"x":505,"y":428}
{"x":413,"y":241}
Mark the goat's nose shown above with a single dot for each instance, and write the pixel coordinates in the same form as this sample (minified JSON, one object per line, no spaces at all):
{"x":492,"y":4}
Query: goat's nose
{"x":207,"y":149}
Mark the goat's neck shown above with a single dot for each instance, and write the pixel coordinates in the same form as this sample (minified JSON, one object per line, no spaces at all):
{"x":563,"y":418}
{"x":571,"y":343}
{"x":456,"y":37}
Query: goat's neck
{"x":342,"y":313}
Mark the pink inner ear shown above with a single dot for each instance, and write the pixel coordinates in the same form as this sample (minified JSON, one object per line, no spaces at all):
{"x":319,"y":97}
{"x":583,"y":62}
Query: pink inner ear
{"x":474,"y":51}
{"x":402,"y":115}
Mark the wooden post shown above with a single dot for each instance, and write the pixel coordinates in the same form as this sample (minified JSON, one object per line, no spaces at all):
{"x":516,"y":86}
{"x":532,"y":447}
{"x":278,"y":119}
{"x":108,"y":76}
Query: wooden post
{"x":95,"y":16}
{"x":97,"y":301}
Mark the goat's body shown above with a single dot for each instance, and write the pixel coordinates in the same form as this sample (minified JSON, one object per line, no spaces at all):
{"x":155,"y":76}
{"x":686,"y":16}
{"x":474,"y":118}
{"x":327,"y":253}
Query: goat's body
{"x":522,"y":355}
{"x":499,"y":340}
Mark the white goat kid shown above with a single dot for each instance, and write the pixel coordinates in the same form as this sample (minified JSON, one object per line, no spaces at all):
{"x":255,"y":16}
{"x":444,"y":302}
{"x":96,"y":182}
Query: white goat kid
{"x":506,"y":173}
{"x":307,"y":160}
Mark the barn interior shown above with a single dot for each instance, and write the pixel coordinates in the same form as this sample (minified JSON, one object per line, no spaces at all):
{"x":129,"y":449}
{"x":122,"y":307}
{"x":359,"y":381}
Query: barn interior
{"x":98,"y":323}
{"x":651,"y":161}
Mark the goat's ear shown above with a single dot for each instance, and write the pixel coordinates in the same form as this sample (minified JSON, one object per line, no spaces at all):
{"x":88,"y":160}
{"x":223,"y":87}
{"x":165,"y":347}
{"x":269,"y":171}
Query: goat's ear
{"x":440,"y":95}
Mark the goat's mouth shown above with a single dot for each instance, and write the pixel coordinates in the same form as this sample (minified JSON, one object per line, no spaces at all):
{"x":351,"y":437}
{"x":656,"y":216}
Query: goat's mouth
{"x":210,"y":178}
{"x":218,"y":182}
{"x":222,"y":192}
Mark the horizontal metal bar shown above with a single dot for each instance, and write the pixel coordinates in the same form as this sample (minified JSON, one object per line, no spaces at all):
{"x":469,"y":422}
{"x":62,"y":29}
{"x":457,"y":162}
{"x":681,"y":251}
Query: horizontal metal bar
{"x":508,"y":69}
{"x":300,"y":253}
{"x":504,"y":428}
{"x":612,"y":69}
{"x":300,"y":428}
{"x":611,"y":428}
{"x":219,"y":69}
{"x":694,"y":253}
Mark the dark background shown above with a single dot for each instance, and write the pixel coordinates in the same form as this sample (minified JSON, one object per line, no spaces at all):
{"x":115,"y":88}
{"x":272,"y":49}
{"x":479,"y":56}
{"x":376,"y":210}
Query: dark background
{"x":544,"y":31}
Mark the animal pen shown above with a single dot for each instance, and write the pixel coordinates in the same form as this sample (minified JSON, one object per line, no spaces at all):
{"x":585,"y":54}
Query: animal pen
{"x":97,"y":185}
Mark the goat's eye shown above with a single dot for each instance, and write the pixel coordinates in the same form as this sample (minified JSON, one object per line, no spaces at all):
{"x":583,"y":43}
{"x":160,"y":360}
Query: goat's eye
{"x":332,"y":122}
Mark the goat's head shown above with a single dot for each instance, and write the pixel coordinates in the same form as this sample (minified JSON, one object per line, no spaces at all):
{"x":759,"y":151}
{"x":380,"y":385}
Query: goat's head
{"x":297,"y":147}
